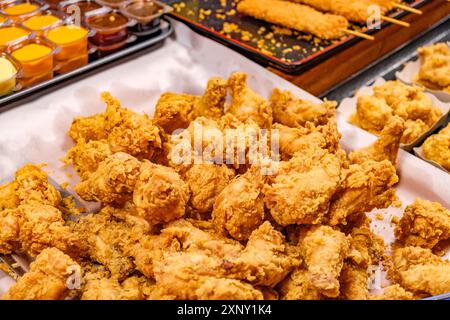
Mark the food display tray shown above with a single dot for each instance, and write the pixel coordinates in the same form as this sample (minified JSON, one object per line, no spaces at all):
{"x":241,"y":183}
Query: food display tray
{"x":295,"y":52}
{"x":161,"y":32}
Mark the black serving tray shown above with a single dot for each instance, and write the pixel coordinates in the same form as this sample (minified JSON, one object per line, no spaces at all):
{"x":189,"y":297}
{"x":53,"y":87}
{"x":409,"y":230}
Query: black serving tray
{"x":311,"y":53}
{"x":163,"y":30}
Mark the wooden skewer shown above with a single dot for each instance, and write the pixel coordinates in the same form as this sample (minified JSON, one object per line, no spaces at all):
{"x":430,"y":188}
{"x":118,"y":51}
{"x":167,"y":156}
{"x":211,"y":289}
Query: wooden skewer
{"x":395,"y":21}
{"x":359,"y":34}
{"x":406,"y":8}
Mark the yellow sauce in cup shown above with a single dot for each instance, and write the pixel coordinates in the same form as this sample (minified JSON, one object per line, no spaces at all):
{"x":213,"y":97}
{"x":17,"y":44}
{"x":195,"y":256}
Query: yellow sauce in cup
{"x":10,"y":34}
{"x":72,"y":41}
{"x":21,"y":8}
{"x":7,"y":76}
{"x":38,"y":23}
{"x":34,"y":59}
{"x":31,"y":52}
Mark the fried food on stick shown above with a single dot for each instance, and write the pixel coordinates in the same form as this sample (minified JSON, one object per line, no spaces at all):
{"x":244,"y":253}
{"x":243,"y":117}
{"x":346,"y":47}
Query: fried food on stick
{"x":293,"y":112}
{"x":424,"y":224}
{"x":420,"y":271}
{"x":385,"y":147}
{"x":295,"y":16}
{"x":437,"y":148}
{"x":47,"y":279}
{"x":239,"y":208}
{"x":247,"y":104}
{"x":365,"y":186}
{"x":324,"y":250}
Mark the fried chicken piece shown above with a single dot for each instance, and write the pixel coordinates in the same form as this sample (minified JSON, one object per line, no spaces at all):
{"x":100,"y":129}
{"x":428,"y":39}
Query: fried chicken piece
{"x":297,"y":286}
{"x":408,"y":102}
{"x":393,"y":292}
{"x":31,"y":228}
{"x":420,"y":271}
{"x":99,"y":286}
{"x":324,"y":250}
{"x":437,"y":148}
{"x":372,"y":113}
{"x":113,"y":181}
{"x":266,"y":259}
{"x":246,"y":104}
{"x":293,"y":112}
{"x":174,"y":111}
{"x":435,"y":66}
{"x":239,"y":208}
{"x":424,"y":224}
{"x":212,"y":104}
{"x":307,"y":139}
{"x":103,"y":240}
{"x":86,"y":156}
{"x":47,"y":279}
{"x":302,"y":193}
{"x":365,"y":186}
{"x":30,"y":186}
{"x":413,"y":130}
{"x":88,"y":128}
{"x":160,"y":195}
{"x":354,"y":282}
{"x":386,"y":147}
{"x":206,"y":181}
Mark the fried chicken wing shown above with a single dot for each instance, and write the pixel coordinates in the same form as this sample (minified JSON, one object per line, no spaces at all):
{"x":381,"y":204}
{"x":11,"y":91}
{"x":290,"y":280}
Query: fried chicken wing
{"x":88,"y":128}
{"x":437,"y":148}
{"x":212,"y":104}
{"x":420,"y":271}
{"x":424,"y":224}
{"x":393,"y":292}
{"x":302,"y":193}
{"x":47,"y":278}
{"x":206,"y":181}
{"x":435,"y":68}
{"x":174,"y":111}
{"x":160,"y":195}
{"x":239,"y":208}
{"x":324,"y":250}
{"x":386,"y":147}
{"x":297,"y":286}
{"x":293,"y":112}
{"x":246,"y":104}
{"x":354,"y":282}
{"x":372,"y":113}
{"x":113,"y":181}
{"x":365,"y":186}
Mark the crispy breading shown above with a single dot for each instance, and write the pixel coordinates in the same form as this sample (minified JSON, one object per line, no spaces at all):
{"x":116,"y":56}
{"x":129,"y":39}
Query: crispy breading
{"x":324,"y":250}
{"x":239,"y":208}
{"x":294,"y":112}
{"x":393,"y":292}
{"x":47,"y":278}
{"x":435,"y":67}
{"x":423,"y":224}
{"x":88,"y":128}
{"x":297,"y":286}
{"x":437,"y":147}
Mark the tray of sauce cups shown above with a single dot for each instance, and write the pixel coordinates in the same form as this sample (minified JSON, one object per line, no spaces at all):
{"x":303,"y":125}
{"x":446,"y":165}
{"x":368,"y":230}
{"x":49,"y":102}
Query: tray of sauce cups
{"x":42,"y":41}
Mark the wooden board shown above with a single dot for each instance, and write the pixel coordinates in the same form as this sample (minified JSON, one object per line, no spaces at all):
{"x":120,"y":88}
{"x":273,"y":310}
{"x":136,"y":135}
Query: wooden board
{"x":344,"y":64}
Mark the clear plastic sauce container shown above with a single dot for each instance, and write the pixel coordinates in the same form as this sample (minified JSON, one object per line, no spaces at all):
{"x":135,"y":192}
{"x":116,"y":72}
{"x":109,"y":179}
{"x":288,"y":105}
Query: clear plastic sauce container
{"x":8,"y":73}
{"x":12,"y":34}
{"x":35,"y":57}
{"x":22,"y":10}
{"x":109,"y":29}
{"x":71,"y":39}
{"x":41,"y":23}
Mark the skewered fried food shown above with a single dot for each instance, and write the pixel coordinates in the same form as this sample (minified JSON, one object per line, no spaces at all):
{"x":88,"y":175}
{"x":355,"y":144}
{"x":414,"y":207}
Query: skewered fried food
{"x":437,"y":148}
{"x":47,"y":278}
{"x":295,"y":16}
{"x":424,"y":224}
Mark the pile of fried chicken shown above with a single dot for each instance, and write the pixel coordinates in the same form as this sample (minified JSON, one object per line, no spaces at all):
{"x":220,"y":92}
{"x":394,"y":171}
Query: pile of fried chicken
{"x":171,"y":230}
{"x":395,"y":98}
{"x":434,"y":72}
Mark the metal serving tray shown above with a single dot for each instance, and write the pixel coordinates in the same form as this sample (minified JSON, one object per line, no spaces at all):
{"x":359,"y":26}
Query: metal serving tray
{"x":161,"y":32}
{"x":201,"y":16}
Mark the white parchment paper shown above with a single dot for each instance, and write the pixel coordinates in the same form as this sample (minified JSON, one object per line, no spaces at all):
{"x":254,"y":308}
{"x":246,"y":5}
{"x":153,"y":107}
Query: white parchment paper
{"x":36,"y":131}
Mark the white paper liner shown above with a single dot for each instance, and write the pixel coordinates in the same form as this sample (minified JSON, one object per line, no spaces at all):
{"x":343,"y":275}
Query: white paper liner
{"x":36,"y":131}
{"x":408,"y":73}
{"x":348,"y":108}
